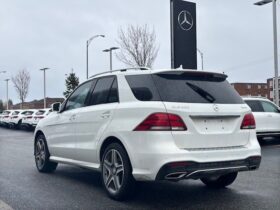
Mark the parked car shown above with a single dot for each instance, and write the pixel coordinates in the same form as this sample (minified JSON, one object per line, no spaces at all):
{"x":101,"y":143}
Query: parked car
{"x":139,"y":125}
{"x":39,"y":115}
{"x":267,"y":116}
{"x":27,"y":120}
{"x":6,"y":117}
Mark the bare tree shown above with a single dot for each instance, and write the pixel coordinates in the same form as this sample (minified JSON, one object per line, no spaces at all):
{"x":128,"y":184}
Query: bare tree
{"x":138,"y":46}
{"x":21,"y":82}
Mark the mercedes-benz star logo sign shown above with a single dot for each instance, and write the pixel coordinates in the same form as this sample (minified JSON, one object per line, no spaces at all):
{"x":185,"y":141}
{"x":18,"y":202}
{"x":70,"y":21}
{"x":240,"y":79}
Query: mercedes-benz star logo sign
{"x":185,"y":20}
{"x":216,"y":107}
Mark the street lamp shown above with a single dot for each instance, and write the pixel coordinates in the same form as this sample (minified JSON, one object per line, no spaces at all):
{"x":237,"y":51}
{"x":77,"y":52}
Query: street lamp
{"x":111,"y":59}
{"x":45,"y":99}
{"x":202,"y":58}
{"x":7,"y":92}
{"x":260,"y":3}
{"x":88,"y":43}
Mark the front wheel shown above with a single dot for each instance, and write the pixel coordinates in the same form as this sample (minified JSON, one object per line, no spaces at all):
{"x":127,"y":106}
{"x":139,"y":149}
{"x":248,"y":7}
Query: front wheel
{"x":42,"y":155}
{"x":221,"y":181}
{"x":117,"y":172}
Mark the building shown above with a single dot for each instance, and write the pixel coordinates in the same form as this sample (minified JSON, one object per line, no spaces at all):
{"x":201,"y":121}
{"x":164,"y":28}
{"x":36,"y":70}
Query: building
{"x":252,"y":89}
{"x":37,"y":104}
{"x":271,"y":87}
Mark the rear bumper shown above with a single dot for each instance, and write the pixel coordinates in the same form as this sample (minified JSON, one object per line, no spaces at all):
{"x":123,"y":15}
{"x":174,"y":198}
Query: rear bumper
{"x":194,"y":170}
{"x":268,"y":134}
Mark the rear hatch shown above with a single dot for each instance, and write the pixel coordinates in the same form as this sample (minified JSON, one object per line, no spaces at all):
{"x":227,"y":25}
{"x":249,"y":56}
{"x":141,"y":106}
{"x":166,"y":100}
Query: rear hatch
{"x":211,"y":109}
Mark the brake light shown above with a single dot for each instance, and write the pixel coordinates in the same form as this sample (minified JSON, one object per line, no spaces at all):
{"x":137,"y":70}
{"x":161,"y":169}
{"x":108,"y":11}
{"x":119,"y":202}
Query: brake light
{"x":248,"y":122}
{"x":162,"y":122}
{"x":41,"y":117}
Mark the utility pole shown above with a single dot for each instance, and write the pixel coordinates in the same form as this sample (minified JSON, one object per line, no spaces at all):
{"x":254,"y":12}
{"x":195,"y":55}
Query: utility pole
{"x":7,"y":92}
{"x":111,"y":55}
{"x":45,"y":99}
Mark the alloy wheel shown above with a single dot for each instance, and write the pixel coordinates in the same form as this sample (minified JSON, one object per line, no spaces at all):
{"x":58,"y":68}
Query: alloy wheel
{"x":40,"y":153}
{"x":113,"y":171}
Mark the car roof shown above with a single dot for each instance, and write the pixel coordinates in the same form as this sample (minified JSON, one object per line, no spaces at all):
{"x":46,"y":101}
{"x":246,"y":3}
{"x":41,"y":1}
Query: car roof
{"x":254,"y":98}
{"x":140,"y":71}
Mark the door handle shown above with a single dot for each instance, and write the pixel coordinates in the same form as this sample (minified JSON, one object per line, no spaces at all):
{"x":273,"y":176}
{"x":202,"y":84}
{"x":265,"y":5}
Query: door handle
{"x":73,"y":117}
{"x":106,"y":115}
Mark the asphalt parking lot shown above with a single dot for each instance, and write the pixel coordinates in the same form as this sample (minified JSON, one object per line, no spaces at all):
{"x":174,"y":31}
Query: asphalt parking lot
{"x":22,"y":187}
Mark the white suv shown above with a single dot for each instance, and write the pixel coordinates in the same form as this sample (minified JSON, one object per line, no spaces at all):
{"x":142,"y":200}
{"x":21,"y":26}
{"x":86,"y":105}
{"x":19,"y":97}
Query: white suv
{"x":151,"y":125}
{"x":267,"y":116}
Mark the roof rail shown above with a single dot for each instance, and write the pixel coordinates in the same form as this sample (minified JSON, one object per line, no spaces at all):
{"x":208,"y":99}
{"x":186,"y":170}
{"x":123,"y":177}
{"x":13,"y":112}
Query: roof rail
{"x":122,"y":70}
{"x":244,"y":96}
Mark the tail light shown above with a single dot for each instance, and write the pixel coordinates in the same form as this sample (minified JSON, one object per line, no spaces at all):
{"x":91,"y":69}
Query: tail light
{"x":40,"y":117}
{"x":162,"y":122}
{"x":248,"y":122}
{"x":29,"y":117}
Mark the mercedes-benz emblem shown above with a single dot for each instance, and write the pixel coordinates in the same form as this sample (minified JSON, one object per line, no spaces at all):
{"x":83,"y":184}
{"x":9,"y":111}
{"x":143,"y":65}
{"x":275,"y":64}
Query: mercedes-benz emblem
{"x":185,"y":20}
{"x":216,"y":107}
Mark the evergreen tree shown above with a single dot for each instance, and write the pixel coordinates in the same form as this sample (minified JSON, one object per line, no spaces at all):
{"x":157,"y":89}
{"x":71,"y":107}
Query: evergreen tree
{"x":1,"y":105}
{"x":71,"y":82}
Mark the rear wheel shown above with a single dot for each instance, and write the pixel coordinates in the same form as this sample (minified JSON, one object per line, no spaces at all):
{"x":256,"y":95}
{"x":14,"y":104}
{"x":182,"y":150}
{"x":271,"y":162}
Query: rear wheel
{"x":42,"y":155}
{"x":221,"y":181}
{"x":117,"y":172}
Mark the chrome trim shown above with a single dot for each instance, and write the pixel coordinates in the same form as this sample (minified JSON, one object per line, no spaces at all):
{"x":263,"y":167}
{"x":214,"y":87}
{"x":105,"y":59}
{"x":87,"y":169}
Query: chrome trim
{"x":180,"y":175}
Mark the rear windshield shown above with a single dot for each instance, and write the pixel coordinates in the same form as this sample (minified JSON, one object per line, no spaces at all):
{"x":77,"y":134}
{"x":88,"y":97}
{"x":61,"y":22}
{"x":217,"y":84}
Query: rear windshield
{"x":15,"y":113}
{"x":28,"y":113}
{"x":184,"y":87}
{"x":40,"y":112}
{"x":6,"y":113}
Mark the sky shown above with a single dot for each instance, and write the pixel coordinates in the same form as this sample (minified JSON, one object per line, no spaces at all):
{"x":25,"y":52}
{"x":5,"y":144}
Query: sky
{"x":235,"y":36}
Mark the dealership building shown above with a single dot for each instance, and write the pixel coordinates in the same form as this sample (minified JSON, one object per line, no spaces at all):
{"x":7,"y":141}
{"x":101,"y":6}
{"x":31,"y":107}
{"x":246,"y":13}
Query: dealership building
{"x":256,"y":89}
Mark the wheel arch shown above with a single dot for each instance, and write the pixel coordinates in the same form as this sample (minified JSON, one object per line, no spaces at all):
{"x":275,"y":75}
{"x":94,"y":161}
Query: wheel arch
{"x":109,"y":140}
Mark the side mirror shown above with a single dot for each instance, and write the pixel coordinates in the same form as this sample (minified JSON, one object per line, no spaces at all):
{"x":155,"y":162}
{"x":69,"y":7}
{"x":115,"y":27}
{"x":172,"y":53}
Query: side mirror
{"x":56,"y":107}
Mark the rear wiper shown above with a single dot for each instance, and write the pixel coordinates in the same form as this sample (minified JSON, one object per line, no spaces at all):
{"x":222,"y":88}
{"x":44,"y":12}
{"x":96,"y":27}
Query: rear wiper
{"x":202,"y":92}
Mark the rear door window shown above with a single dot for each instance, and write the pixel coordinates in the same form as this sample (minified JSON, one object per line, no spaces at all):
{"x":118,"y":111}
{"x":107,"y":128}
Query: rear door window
{"x":105,"y":91}
{"x":254,"y":105}
{"x":269,"y":107}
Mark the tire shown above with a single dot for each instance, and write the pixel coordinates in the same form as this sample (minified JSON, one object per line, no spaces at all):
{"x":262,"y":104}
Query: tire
{"x":116,"y":175}
{"x":42,"y":155}
{"x":18,"y":126}
{"x":221,"y":181}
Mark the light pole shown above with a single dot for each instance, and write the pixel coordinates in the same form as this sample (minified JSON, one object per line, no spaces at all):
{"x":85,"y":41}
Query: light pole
{"x":111,"y":59}
{"x":88,"y":43}
{"x":45,"y":99}
{"x":7,"y":92}
{"x":202,"y":58}
{"x":260,"y":3}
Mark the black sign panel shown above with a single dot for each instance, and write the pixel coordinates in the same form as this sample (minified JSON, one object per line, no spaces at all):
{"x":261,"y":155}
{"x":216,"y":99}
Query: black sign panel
{"x":183,"y":35}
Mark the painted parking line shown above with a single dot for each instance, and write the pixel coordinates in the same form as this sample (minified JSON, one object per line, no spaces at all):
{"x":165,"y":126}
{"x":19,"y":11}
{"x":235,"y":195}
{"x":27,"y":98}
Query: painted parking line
{"x":4,"y":206}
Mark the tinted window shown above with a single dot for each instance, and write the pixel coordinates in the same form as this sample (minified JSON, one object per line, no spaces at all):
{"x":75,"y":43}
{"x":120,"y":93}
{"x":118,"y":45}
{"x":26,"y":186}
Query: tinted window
{"x":29,"y":113}
{"x":101,"y":91}
{"x":15,"y":113}
{"x":255,"y":106}
{"x":184,"y":87}
{"x":40,"y":112}
{"x":269,"y":107}
{"x":114,"y":95}
{"x":143,"y":87}
{"x":6,"y":112}
{"x":79,"y":96}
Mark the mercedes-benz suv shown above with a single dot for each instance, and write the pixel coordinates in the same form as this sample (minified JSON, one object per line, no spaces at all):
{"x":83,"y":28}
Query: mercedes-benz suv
{"x":137,"y":125}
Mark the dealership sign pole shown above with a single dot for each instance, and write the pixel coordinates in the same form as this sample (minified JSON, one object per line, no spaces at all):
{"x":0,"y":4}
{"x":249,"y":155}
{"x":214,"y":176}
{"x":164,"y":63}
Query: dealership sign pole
{"x":183,"y":34}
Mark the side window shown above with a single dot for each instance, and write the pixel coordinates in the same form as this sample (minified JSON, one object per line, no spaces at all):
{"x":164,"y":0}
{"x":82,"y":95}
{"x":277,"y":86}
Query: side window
{"x":101,"y":91}
{"x":78,"y":98}
{"x":143,"y":87}
{"x":114,"y":94}
{"x":255,"y":106}
{"x":268,"y":107}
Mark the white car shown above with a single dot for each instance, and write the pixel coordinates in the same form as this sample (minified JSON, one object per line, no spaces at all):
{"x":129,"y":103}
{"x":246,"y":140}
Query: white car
{"x":6,"y":117}
{"x":267,"y":116}
{"x":39,"y":115}
{"x":28,"y":119}
{"x":17,"y":117}
{"x":137,"y":125}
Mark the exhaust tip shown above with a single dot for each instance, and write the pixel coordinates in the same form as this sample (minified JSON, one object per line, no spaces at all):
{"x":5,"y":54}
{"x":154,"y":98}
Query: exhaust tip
{"x":175,"y":176}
